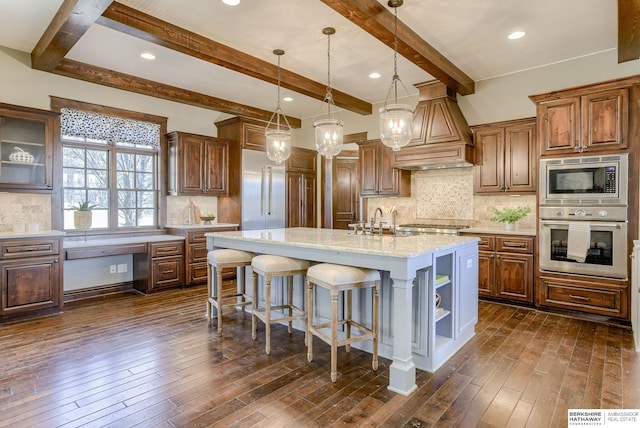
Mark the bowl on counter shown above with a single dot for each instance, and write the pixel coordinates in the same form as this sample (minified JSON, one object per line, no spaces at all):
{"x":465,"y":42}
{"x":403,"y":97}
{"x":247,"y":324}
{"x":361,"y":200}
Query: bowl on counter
{"x":207,"y":219}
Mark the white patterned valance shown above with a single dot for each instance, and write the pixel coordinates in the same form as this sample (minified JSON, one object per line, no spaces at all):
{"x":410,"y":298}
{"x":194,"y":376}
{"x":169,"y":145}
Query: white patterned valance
{"x":84,"y":124}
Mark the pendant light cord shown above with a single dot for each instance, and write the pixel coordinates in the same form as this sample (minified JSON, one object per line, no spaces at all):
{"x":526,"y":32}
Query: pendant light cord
{"x":329,"y":96}
{"x":395,"y":55}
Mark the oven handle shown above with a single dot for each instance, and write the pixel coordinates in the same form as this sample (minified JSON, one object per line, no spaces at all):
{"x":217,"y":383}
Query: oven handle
{"x":593,"y":224}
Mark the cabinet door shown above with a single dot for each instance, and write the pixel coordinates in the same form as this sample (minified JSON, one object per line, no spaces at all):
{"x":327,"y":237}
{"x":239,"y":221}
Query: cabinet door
{"x":489,"y":171}
{"x":368,"y":169}
{"x":388,"y":178}
{"x":30,"y":285}
{"x":514,"y":277}
{"x":192,"y":155}
{"x":308,"y":201}
{"x":167,"y":272}
{"x":520,"y":160}
{"x":294,"y":199}
{"x":215,"y":168}
{"x":559,"y":126}
{"x":26,"y":147}
{"x":605,"y":118}
{"x":486,"y":273}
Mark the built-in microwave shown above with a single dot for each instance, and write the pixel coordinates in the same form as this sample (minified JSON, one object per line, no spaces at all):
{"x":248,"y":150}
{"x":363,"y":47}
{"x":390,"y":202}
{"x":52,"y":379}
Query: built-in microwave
{"x":584,"y":180}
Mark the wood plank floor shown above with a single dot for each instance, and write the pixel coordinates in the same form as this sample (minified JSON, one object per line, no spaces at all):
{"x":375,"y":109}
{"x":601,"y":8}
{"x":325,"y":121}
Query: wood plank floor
{"x":132,"y":360}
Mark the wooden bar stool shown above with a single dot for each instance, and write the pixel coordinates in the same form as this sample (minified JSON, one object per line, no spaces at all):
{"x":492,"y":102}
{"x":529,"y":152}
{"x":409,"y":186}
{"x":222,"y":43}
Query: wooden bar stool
{"x":218,"y":260}
{"x":338,"y":279}
{"x":269,"y":267}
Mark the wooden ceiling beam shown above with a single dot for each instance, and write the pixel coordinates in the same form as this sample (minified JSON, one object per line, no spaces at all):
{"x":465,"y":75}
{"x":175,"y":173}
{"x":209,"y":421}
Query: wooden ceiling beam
{"x":106,"y":77}
{"x":376,"y":20}
{"x":628,"y":30}
{"x":146,"y":27}
{"x":73,"y":19}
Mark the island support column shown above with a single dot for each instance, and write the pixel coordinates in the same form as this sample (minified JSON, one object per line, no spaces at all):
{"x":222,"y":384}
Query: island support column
{"x":402,"y":373}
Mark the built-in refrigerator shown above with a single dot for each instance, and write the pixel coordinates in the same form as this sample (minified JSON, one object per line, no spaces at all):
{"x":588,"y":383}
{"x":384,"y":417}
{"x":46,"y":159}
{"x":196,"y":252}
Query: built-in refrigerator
{"x":263,"y":192}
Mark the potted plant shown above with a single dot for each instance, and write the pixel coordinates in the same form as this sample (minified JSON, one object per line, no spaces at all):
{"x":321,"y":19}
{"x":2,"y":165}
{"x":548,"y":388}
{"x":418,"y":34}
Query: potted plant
{"x":82,"y":216}
{"x":509,"y":216}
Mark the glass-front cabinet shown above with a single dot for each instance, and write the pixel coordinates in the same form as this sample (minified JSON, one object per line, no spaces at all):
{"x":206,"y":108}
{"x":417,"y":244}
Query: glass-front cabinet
{"x":26,"y":148}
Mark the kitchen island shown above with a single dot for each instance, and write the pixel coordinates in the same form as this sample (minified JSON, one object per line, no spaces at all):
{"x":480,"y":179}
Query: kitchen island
{"x":413,"y":333}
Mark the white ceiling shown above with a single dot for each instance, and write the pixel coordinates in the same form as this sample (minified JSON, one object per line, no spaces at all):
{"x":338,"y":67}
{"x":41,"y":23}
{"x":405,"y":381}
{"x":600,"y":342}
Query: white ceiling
{"x":472,"y":34}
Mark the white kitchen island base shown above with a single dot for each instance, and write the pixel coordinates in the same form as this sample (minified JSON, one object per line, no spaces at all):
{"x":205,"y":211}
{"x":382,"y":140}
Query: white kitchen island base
{"x":414,"y":269}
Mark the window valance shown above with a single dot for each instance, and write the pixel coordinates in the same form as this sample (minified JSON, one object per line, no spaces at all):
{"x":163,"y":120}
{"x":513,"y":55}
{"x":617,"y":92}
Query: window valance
{"x":84,"y":124}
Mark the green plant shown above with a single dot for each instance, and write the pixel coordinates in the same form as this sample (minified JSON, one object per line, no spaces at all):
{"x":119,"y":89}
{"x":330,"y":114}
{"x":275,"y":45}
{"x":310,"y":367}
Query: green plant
{"x":509,"y":215}
{"x":84,"y":206}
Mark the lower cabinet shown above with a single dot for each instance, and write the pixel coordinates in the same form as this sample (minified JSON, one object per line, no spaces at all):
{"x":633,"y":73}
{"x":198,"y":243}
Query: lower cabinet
{"x":31,"y":277}
{"x":161,"y":267}
{"x":505,"y":267}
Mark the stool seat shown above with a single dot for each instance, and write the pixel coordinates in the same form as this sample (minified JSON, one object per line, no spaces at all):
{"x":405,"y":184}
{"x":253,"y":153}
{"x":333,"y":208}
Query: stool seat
{"x":220,"y":259}
{"x":269,"y":267}
{"x":341,"y":279}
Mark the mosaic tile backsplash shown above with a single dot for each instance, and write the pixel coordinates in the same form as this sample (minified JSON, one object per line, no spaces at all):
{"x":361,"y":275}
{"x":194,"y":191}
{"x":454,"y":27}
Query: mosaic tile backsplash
{"x":24,"y":209}
{"x":446,"y":196}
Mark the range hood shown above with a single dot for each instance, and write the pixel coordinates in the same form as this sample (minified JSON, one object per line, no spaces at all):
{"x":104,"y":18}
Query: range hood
{"x":441,"y":135}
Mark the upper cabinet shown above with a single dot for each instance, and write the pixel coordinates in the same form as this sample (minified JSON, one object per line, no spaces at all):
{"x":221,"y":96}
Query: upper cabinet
{"x":584,"y":120}
{"x":26,"y":148}
{"x":377,"y":177}
{"x":505,"y":157}
{"x":198,"y":165}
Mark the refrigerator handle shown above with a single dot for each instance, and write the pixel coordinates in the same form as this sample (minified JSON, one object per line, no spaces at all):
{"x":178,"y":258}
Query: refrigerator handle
{"x":270,"y":190}
{"x":262,"y":184}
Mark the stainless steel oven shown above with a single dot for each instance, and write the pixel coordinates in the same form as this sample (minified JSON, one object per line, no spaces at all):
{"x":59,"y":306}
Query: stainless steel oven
{"x":584,"y":240}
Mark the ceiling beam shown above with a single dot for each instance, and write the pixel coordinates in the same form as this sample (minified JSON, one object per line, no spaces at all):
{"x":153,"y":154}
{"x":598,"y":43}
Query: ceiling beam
{"x":73,"y":19}
{"x":146,"y":27}
{"x":376,"y":20}
{"x":127,"y":82}
{"x":628,"y":30}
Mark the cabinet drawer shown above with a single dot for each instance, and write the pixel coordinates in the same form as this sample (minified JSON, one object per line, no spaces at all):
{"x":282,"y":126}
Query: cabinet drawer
{"x":197,"y":253}
{"x":109,"y":250}
{"x":514,"y":245}
{"x":167,"y":272}
{"x":197,"y":236}
{"x":486,"y":242}
{"x":162,"y":249}
{"x":587,"y":299}
{"x":198,"y":273}
{"x":30,"y":248}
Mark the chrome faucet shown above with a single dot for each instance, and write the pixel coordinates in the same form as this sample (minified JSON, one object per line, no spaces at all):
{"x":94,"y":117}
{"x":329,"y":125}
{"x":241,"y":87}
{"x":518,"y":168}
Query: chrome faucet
{"x":394,"y":219}
{"x":373,"y":220}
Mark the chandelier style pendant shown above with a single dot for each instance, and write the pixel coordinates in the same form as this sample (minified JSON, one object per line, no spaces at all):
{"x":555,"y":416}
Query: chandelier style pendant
{"x":278,"y":139}
{"x":329,"y":131}
{"x":395,"y":119}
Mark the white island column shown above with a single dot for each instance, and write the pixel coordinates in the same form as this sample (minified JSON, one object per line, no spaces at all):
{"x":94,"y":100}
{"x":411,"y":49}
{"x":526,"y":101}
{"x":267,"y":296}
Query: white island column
{"x":402,"y":373}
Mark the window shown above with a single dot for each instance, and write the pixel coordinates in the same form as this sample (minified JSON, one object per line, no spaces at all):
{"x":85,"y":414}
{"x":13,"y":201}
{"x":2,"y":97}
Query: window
{"x":111,"y":163}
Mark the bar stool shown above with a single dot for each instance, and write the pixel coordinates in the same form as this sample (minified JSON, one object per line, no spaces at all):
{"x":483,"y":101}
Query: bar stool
{"x":341,"y":279}
{"x":218,"y":260}
{"x":269,"y":267}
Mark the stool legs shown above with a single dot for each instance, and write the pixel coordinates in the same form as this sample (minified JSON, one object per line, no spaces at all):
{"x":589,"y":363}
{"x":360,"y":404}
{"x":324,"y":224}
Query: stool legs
{"x":376,"y":327}
{"x":209,"y":285}
{"x":308,"y":337}
{"x":219,"y":297}
{"x":267,"y":314}
{"x":334,"y":335}
{"x":254,"y":305}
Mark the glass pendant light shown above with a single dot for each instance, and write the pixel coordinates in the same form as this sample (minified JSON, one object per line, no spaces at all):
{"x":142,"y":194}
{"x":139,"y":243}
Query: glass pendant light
{"x":395,"y":119}
{"x":329,"y":131}
{"x":278,"y":139}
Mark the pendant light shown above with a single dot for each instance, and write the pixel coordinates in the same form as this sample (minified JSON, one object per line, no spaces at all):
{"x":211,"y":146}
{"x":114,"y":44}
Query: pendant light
{"x":329,"y":131}
{"x":278,"y":139}
{"x":395,"y":119}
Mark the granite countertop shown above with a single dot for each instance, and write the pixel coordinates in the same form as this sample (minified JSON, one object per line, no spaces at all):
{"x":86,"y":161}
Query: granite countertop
{"x":120,"y":240}
{"x":200,"y":226}
{"x":500,"y":231}
{"x":346,"y":241}
{"x":38,"y":234}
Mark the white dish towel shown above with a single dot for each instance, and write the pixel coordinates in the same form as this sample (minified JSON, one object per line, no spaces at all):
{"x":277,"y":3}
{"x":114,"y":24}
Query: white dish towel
{"x":578,"y":240}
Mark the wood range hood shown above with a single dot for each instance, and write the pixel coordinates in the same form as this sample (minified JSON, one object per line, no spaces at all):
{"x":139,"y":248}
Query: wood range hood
{"x":441,"y":135}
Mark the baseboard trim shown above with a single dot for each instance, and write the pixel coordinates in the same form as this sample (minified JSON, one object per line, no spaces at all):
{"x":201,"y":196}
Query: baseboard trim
{"x":101,"y":290}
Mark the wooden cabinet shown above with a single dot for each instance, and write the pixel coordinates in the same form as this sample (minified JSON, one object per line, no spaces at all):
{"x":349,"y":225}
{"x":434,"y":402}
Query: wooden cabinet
{"x":301,"y":188}
{"x":161,"y":267}
{"x":587,"y":119}
{"x":584,"y":294}
{"x":198,"y":165}
{"x":506,"y":158}
{"x":31,"y":277}
{"x":196,"y":253}
{"x":505,"y":267}
{"x":26,"y":148}
{"x":377,"y":177}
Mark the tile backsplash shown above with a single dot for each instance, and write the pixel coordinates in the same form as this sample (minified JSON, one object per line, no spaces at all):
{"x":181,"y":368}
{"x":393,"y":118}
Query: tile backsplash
{"x":446,"y":196}
{"x":24,"y":208}
{"x":176,"y":206}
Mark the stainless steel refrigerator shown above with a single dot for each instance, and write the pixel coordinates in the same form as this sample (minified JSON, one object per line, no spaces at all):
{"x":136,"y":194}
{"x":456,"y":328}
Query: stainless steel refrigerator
{"x":263,"y":192}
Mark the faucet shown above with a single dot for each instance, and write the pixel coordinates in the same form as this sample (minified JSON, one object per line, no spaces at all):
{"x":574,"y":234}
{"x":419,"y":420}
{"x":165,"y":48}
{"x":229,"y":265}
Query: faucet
{"x":394,"y":217}
{"x":373,"y":220}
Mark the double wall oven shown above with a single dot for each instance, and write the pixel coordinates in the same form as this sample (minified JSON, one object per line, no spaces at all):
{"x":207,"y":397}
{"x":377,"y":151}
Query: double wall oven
{"x":583,"y":215}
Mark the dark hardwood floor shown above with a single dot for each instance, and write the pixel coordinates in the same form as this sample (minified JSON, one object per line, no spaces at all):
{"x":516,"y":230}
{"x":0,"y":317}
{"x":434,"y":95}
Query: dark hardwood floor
{"x":132,"y":360}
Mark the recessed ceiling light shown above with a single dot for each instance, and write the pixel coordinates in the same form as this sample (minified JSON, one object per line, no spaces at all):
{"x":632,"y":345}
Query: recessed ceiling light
{"x":231,"y":2}
{"x":287,"y":99}
{"x":516,"y":35}
{"x":148,"y":55}
{"x":374,"y":75}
